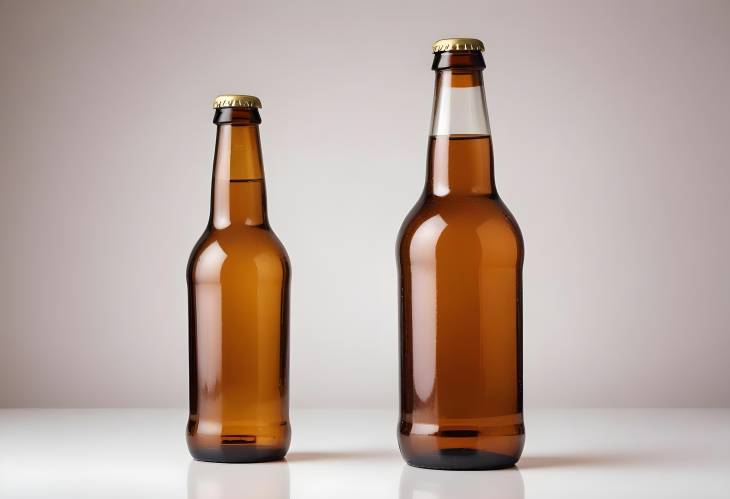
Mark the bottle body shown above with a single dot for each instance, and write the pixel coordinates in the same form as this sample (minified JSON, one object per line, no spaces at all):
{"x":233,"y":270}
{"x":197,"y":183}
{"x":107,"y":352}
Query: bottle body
{"x":238,"y":290}
{"x":460,"y":255}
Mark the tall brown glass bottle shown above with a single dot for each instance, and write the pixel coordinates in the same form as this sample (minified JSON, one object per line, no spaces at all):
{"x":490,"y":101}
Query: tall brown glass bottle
{"x":238,"y":292}
{"x":460,"y":256}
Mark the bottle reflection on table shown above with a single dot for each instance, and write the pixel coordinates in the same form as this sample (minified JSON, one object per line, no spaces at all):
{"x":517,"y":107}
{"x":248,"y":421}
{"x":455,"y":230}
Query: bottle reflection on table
{"x":418,"y":483}
{"x":229,"y":481}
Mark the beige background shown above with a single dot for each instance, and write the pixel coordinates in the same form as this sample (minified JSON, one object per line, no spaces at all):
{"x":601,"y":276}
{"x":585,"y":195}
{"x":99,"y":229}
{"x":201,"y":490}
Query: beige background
{"x":610,"y":122}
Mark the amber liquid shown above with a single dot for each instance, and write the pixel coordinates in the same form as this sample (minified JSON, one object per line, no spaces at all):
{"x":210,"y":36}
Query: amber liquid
{"x":460,"y":261}
{"x":238,"y":287}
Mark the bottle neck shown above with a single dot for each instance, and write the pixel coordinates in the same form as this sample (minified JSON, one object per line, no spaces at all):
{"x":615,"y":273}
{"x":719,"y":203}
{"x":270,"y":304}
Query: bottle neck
{"x":239,"y":193}
{"x":460,"y":147}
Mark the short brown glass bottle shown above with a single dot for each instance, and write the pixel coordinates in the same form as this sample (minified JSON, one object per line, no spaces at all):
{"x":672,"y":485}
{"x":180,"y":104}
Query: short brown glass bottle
{"x":460,"y":255}
{"x":238,"y":302}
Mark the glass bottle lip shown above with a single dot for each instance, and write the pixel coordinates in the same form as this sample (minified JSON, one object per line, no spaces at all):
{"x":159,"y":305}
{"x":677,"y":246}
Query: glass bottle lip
{"x":237,"y":116}
{"x":467,"y":60}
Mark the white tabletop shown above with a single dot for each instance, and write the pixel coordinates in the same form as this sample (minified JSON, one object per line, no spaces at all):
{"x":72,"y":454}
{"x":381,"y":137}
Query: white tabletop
{"x":353,"y":454}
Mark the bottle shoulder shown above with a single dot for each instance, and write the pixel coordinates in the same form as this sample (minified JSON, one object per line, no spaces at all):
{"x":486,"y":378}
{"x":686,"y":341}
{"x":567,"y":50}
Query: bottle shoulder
{"x":454,"y":221}
{"x":238,"y":247}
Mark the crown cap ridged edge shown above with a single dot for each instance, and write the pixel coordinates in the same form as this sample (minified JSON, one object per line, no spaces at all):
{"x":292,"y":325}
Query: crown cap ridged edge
{"x":452,"y":44}
{"x":240,"y":101}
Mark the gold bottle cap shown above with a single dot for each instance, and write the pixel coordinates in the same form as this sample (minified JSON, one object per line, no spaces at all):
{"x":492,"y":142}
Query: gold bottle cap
{"x":452,"y":44}
{"x":244,"y":101}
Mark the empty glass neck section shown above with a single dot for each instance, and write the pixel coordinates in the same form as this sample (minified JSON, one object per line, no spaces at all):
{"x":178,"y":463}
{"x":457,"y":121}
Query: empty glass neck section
{"x":459,"y":106}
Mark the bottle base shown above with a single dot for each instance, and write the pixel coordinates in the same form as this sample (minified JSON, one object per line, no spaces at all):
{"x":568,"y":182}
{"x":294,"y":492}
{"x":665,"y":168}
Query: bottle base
{"x":238,"y":454}
{"x":249,"y":444}
{"x":462,"y":447}
{"x":462,"y":460}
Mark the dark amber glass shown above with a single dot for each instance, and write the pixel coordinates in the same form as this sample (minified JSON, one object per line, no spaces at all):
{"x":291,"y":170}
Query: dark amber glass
{"x":238,"y":291}
{"x":460,"y":255}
